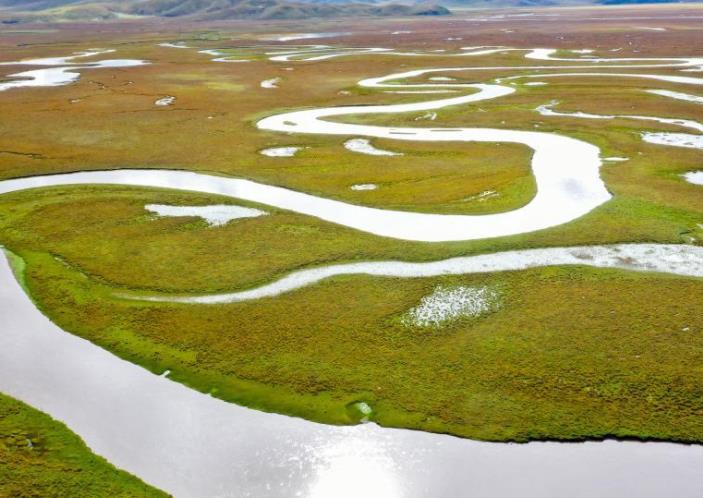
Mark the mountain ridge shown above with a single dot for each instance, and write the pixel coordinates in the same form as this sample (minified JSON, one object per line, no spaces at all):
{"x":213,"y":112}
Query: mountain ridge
{"x":76,"y":10}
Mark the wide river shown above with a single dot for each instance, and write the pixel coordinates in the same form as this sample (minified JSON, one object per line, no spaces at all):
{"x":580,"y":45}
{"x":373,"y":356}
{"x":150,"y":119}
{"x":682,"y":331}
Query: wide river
{"x":193,"y":445}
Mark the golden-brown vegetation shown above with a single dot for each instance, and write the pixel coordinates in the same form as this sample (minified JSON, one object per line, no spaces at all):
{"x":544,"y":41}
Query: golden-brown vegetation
{"x":572,"y":353}
{"x":40,"y":457}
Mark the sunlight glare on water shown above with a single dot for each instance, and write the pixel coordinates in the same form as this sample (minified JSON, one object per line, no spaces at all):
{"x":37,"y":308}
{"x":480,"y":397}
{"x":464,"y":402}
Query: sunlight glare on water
{"x":352,"y":466}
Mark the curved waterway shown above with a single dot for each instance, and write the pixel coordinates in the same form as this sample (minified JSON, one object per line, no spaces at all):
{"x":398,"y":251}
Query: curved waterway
{"x":564,"y":191}
{"x":660,"y":138}
{"x":192,"y":445}
{"x":567,"y":194}
{"x":61,"y":70}
{"x":675,"y":259}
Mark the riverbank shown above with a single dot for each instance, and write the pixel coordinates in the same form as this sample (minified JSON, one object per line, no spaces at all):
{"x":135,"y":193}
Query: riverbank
{"x":194,"y":445}
{"x":40,"y":456}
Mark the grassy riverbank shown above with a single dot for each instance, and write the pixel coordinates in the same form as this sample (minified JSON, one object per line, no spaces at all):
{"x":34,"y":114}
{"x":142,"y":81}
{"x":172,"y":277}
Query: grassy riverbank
{"x":106,"y":233}
{"x":568,"y":353}
{"x":572,"y":353}
{"x":40,"y":457}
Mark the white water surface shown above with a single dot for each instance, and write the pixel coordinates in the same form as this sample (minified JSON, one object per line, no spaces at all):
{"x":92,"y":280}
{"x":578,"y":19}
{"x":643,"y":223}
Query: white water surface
{"x":565,"y":191}
{"x":58,"y":61}
{"x":363,"y":146}
{"x":415,"y":92}
{"x":428,"y":115}
{"x":174,"y":45}
{"x":215,"y":215}
{"x":688,"y":80}
{"x":195,"y":446}
{"x":676,"y":259}
{"x":674,"y":139}
{"x":695,"y":177}
{"x":678,"y":95}
{"x":322,"y":53}
{"x":547,"y":110}
{"x":165,"y":101}
{"x":63,"y":70}
{"x":270,"y":83}
{"x":306,"y":36}
{"x":657,"y":138}
{"x":280,"y":151}
{"x":312,"y":53}
{"x":575,"y":190}
{"x":219,"y":56}
{"x":364,"y":186}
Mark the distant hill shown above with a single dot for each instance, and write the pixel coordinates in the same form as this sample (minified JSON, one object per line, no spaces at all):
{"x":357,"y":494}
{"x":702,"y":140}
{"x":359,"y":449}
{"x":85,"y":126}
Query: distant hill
{"x":494,"y":4}
{"x":487,"y":4}
{"x":628,"y":2}
{"x":35,"y":4}
{"x":88,"y":10}
{"x":274,"y":9}
{"x":13,"y":11}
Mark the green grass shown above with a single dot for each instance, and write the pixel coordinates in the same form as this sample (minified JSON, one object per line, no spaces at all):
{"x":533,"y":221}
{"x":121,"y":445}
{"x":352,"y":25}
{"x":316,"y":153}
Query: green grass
{"x":629,"y":366}
{"x":40,"y":457}
{"x":572,"y":353}
{"x":106,"y":233}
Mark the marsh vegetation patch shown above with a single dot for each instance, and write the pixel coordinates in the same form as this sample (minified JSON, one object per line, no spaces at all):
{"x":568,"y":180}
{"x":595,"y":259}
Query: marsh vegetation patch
{"x":450,"y":303}
{"x":40,"y":456}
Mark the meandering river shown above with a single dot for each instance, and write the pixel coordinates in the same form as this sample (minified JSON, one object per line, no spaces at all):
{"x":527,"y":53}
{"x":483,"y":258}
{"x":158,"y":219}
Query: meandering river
{"x":193,"y":445}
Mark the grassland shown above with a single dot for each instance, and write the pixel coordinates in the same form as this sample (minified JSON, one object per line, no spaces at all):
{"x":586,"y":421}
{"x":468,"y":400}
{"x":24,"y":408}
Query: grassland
{"x":527,"y":371}
{"x":40,"y":457}
{"x":627,"y":366}
{"x":571,"y":353}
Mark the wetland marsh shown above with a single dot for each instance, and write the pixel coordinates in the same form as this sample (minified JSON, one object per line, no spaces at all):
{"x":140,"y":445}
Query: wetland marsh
{"x":342,"y":245}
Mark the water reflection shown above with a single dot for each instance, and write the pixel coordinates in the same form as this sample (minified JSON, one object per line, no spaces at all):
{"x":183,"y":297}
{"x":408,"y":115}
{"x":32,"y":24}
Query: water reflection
{"x":193,"y":445}
{"x":351,"y":465}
